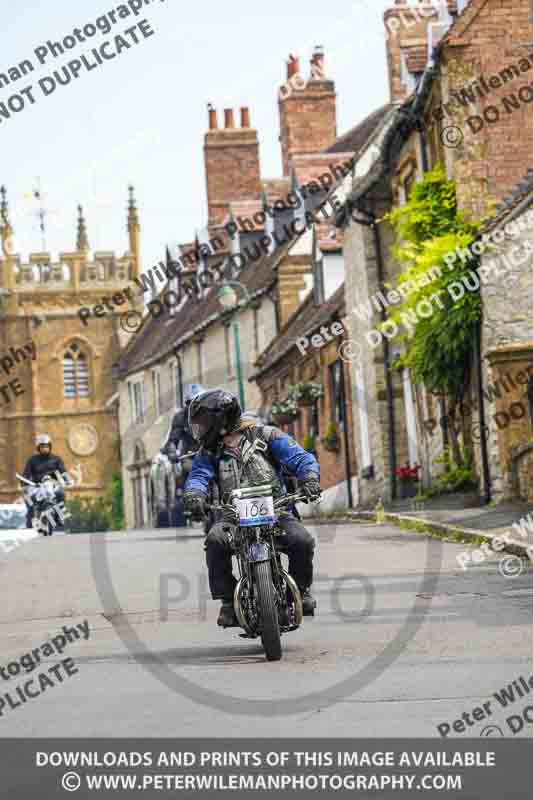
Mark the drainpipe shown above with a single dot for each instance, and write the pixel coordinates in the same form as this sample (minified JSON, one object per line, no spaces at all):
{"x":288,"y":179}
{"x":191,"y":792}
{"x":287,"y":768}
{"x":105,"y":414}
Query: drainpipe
{"x":180,"y":378}
{"x":387,"y":364}
{"x":370,"y":221}
{"x":483,"y":441}
{"x":347,"y":460}
{"x":423,"y":147}
{"x":271,"y":294}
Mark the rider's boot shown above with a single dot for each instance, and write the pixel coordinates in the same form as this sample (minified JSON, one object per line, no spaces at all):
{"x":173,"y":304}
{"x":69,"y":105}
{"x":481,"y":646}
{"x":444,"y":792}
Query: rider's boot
{"x":308,"y":603}
{"x":226,"y":617}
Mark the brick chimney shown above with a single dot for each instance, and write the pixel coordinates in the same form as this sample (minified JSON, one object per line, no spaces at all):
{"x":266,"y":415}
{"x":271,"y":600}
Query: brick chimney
{"x":407,"y":41}
{"x":307,"y":110}
{"x":232,"y":167}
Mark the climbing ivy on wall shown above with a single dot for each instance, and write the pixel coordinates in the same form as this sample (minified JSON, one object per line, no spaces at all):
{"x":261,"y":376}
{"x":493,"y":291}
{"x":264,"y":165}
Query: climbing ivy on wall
{"x":428,"y":228}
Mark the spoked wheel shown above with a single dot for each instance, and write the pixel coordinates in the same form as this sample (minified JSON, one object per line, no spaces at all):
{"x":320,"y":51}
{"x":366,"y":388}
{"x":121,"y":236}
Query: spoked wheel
{"x":266,"y":600}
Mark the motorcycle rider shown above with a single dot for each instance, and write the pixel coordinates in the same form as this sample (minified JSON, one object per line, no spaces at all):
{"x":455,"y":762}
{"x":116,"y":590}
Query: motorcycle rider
{"x":238,"y":451}
{"x":40,"y":465}
{"x":179,"y":439}
{"x":178,"y":442}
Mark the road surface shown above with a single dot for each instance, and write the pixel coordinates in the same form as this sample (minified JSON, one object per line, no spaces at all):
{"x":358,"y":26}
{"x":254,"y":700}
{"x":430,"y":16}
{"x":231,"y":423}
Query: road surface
{"x":404,"y":640}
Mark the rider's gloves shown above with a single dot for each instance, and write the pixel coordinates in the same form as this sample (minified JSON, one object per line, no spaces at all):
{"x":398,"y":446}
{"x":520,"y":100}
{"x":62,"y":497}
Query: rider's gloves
{"x":171,"y":452}
{"x":194,"y":504}
{"x":310,"y":486}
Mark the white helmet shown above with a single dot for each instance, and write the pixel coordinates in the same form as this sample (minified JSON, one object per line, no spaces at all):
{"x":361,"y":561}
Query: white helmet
{"x":43,"y":438}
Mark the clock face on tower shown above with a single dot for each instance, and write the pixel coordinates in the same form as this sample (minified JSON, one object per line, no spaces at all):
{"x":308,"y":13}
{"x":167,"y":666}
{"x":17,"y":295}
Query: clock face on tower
{"x":83,"y":439}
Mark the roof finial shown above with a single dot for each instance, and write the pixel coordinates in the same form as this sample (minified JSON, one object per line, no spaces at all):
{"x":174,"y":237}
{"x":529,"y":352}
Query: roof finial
{"x":4,"y":208}
{"x":6,"y":231}
{"x":133,"y":217}
{"x":82,"y":241}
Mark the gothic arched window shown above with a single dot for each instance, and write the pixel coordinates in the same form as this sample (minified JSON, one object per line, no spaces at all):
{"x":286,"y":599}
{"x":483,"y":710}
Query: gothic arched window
{"x":75,"y":372}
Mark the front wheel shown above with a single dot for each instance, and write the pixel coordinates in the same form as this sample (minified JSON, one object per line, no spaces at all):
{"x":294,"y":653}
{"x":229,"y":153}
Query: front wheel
{"x":266,"y":600}
{"x":46,"y":527}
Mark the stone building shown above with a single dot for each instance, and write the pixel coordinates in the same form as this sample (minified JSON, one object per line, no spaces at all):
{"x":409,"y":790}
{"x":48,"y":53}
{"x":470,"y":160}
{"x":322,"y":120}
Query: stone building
{"x":265,"y":258}
{"x":504,"y":413}
{"x":61,"y":370}
{"x":458,"y":96}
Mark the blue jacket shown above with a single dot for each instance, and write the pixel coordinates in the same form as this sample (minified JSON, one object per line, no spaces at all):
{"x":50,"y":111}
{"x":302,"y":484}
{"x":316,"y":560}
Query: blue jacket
{"x":283,"y":451}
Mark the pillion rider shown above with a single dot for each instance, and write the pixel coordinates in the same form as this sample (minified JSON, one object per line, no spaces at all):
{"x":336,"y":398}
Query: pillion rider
{"x":237,"y":451}
{"x":179,"y":439}
{"x":178,"y":442}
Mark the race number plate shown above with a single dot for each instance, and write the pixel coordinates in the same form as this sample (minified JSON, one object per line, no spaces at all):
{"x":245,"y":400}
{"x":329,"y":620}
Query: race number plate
{"x":256,"y":511}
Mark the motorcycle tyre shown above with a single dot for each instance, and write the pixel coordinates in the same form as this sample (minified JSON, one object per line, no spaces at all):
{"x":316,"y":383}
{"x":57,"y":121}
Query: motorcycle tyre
{"x":266,"y":599}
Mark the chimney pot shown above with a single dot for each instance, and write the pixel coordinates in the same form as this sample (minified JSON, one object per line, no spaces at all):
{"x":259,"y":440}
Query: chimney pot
{"x":229,"y":121}
{"x":213,"y":121}
{"x":293,"y":66}
{"x":317,"y":63}
{"x":245,"y":117}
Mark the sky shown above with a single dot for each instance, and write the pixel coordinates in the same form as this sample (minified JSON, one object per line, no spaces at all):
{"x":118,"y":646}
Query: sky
{"x":141,"y":117}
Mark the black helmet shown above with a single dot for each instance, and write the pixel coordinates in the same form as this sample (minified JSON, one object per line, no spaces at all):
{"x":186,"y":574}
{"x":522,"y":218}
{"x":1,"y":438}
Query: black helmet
{"x":191,"y":391}
{"x":212,"y":414}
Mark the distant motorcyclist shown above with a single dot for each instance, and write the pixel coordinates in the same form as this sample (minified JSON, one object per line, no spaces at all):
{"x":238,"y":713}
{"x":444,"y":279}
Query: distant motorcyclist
{"x":178,"y":442}
{"x":179,"y":439}
{"x":238,"y":451}
{"x":41,"y":464}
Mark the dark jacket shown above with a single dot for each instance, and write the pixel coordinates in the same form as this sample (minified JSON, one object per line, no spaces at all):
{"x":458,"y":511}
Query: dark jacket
{"x":179,"y":432}
{"x":39,"y":465}
{"x":282,"y":452}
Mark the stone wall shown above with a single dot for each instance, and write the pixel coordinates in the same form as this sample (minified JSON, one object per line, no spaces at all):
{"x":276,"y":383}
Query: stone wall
{"x":507,"y":347}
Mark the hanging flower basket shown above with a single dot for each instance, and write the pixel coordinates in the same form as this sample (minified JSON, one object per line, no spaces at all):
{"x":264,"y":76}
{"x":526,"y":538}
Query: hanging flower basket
{"x":284,"y":411}
{"x":307,"y":392}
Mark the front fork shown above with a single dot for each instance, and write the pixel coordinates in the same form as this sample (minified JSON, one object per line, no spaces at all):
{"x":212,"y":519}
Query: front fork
{"x":265,"y":551}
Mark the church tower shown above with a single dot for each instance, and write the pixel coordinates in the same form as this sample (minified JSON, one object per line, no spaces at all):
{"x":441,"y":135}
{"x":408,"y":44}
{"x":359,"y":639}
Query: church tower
{"x":56,"y":369}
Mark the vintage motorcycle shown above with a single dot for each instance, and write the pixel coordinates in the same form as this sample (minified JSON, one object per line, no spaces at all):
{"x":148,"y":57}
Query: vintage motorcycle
{"x":46,"y":498}
{"x":266,"y":600}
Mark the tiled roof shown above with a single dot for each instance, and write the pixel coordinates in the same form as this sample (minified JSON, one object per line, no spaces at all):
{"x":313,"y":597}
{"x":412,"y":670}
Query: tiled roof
{"x":503,"y":209}
{"x":307,"y":319}
{"x":354,"y":139}
{"x":463,"y":19}
{"x":158,"y":337}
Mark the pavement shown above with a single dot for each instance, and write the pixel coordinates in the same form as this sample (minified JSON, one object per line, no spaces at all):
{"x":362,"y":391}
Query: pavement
{"x":404,"y":640}
{"x":465,"y":511}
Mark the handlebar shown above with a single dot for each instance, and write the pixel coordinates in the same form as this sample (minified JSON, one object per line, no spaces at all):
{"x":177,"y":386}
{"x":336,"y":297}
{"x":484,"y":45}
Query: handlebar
{"x":25,"y":480}
{"x":32,"y":483}
{"x":285,"y":500}
{"x":186,"y":456}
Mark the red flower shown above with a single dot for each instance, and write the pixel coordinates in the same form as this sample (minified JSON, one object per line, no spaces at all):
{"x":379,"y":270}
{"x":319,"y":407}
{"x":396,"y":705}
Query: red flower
{"x":408,"y":472}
